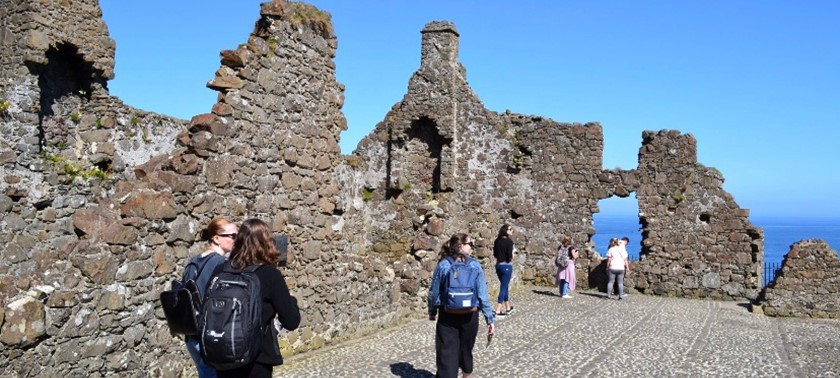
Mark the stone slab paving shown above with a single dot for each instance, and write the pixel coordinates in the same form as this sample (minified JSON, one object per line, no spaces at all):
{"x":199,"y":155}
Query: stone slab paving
{"x":590,"y":336}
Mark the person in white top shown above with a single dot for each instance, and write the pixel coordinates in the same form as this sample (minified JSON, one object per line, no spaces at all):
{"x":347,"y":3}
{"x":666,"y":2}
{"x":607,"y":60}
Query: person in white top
{"x":617,"y":266}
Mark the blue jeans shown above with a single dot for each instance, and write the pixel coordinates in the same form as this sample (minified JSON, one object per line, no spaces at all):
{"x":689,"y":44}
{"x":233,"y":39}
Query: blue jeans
{"x":505,"y":273}
{"x":564,"y":287}
{"x":194,"y":347}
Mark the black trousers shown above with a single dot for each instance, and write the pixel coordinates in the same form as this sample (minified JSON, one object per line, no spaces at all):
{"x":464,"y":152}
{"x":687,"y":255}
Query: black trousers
{"x":454,"y":342}
{"x":252,"y":370}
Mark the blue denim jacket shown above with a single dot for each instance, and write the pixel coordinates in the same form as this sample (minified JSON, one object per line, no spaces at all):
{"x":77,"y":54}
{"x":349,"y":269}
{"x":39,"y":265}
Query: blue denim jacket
{"x":441,"y":270}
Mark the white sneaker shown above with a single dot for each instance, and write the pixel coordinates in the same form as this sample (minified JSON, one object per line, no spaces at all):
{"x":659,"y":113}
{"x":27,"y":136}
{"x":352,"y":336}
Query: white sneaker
{"x":567,"y":296}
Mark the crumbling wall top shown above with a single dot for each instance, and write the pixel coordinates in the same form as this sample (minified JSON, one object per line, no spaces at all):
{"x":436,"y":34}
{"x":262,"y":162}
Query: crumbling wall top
{"x":30,"y":29}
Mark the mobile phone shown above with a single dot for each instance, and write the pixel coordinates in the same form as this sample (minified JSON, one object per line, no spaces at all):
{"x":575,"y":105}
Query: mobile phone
{"x":282,"y":244}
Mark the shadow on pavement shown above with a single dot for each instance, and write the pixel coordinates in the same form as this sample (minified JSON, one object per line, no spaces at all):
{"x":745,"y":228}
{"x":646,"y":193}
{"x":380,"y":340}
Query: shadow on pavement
{"x":407,"y":370}
{"x":546,"y":292}
{"x":593,"y":295}
{"x":746,"y":305}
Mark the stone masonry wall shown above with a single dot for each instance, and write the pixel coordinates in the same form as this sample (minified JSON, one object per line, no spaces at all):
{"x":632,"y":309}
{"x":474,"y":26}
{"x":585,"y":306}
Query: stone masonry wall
{"x":697,"y":242}
{"x":28,"y":29}
{"x":102,"y":203}
{"x":271,"y":146}
{"x":441,"y":163}
{"x":94,"y":229}
{"x":545,"y":178}
{"x":807,"y":285}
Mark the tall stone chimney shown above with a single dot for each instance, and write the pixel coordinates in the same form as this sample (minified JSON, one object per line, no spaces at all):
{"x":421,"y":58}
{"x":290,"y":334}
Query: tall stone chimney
{"x":440,"y":43}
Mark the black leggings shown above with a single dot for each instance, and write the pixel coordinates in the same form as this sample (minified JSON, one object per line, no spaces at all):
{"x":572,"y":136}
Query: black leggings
{"x":454,"y":342}
{"x":252,"y":370}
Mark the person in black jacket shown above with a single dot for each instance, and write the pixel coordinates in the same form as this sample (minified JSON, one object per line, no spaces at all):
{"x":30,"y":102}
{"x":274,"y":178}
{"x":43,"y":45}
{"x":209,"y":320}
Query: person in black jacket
{"x":254,"y":245}
{"x":503,"y":251}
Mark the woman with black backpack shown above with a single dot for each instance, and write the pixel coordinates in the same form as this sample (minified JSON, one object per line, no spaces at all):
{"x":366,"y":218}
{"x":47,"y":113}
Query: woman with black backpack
{"x":219,"y":236}
{"x":254,"y":251}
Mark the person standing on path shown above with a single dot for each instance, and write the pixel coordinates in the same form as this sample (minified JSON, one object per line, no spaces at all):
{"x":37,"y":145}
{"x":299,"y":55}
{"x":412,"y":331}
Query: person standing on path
{"x":254,"y":245}
{"x":503,"y":251}
{"x":566,"y":277}
{"x":455,"y":332}
{"x":219,"y":235}
{"x":617,"y":267}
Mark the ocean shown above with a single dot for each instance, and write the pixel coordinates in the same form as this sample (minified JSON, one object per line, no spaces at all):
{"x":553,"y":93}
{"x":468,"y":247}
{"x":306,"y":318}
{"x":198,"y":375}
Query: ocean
{"x":779,"y":233}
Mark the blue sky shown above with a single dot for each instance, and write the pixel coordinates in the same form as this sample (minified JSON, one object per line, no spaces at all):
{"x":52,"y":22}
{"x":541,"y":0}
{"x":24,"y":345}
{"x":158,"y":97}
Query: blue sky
{"x":757,"y":83}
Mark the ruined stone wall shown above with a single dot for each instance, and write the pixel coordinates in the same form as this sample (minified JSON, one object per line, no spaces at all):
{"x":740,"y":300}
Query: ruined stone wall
{"x":423,"y":167}
{"x":440,"y":163}
{"x":57,"y":58}
{"x":807,"y":285}
{"x":557,"y":167}
{"x":29,"y":28}
{"x":696,"y":242}
{"x":102,"y":203}
{"x":86,"y":254}
{"x":271,"y":147}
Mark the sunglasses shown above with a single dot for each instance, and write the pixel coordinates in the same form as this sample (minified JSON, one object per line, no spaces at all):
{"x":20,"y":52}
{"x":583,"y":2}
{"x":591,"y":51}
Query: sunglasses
{"x":232,"y":236}
{"x":471,"y":244}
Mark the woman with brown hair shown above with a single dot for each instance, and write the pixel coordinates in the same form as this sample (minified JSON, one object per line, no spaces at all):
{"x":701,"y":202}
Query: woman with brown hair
{"x":456,"y":331}
{"x":255,"y":246}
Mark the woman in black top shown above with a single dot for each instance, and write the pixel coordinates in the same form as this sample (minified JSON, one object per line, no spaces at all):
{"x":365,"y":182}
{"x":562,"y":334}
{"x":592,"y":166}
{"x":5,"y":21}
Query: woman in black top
{"x":254,"y":246}
{"x":503,"y":252}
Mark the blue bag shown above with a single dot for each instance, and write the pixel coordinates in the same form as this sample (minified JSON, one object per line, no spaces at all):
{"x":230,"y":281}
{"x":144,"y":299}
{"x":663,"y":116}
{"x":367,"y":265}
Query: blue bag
{"x":459,"y":291}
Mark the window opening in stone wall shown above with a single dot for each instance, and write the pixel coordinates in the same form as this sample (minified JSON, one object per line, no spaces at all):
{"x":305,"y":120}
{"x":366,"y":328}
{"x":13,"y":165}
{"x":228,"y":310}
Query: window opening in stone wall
{"x":618,"y":217}
{"x":65,"y":79}
{"x":65,"y":74}
{"x":520,"y":159}
{"x":426,"y":146}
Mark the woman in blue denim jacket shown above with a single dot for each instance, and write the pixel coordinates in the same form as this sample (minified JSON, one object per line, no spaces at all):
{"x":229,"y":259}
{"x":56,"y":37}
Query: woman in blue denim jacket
{"x":455,"y":333}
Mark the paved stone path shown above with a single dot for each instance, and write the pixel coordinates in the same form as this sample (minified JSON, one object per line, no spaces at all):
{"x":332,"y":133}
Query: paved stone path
{"x":590,"y":336}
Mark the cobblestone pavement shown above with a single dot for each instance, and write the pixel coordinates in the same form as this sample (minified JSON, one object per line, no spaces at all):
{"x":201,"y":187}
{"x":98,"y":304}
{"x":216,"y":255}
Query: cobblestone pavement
{"x":590,"y":336}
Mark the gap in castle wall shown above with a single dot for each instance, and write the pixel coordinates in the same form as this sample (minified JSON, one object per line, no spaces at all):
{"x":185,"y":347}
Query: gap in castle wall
{"x":618,"y":217}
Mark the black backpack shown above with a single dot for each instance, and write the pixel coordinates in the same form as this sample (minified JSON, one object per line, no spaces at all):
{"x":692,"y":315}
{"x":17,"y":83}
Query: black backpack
{"x":231,"y":318}
{"x":182,"y":302}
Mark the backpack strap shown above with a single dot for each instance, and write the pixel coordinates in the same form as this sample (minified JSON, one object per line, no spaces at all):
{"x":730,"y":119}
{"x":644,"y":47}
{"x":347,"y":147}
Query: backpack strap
{"x":198,"y":268}
{"x":198,"y":274}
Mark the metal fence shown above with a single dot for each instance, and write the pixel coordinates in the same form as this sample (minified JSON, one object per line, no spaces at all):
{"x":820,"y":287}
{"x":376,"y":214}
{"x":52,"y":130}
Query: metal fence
{"x":770,"y":270}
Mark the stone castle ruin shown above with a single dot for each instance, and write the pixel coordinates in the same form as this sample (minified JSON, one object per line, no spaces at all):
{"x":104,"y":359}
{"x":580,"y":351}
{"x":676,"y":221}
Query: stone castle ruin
{"x":102,"y":203}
